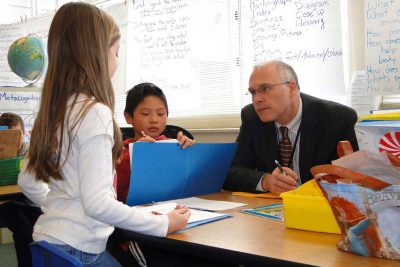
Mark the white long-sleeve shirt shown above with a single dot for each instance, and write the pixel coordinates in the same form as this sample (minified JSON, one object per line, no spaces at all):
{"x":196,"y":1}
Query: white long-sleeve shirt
{"x":81,"y":209}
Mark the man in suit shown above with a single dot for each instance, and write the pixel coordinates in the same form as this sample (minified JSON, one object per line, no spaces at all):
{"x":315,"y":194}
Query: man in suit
{"x":314,"y":127}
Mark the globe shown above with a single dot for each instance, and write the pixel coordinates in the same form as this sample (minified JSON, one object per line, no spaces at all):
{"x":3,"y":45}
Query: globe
{"x":26,"y":57}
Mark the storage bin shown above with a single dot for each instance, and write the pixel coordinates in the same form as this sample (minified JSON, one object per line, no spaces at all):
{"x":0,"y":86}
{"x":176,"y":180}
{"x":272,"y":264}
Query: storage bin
{"x":9,"y":170}
{"x":306,"y":208}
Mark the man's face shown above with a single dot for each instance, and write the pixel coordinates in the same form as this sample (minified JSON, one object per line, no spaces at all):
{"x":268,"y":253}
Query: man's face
{"x":272,"y":98}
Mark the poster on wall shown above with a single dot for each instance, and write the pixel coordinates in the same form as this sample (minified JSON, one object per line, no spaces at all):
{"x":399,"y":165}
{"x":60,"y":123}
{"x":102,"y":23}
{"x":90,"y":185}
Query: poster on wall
{"x":25,"y":104}
{"x":305,"y":34}
{"x":382,"y":46}
{"x":39,"y":26}
{"x":9,"y":33}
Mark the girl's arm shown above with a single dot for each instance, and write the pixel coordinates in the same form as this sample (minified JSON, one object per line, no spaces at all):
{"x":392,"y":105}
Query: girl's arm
{"x":35,"y":190}
{"x":95,"y":174}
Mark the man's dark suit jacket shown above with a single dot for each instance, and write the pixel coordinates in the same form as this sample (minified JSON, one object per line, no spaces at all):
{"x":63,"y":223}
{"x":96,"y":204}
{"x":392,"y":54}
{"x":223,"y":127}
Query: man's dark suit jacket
{"x":323,"y":124}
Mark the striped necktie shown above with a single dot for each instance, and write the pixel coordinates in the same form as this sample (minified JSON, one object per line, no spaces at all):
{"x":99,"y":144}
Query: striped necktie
{"x":285,"y":147}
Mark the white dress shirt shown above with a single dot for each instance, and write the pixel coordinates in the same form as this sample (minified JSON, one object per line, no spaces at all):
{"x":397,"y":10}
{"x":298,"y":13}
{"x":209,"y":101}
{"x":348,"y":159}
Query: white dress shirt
{"x":293,"y":127}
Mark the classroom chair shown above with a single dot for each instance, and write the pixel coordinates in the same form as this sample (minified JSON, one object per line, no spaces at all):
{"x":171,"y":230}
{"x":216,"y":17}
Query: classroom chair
{"x":170,"y":131}
{"x":47,"y":255}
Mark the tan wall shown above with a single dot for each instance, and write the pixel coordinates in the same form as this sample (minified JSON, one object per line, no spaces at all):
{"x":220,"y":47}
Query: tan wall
{"x":212,"y":136}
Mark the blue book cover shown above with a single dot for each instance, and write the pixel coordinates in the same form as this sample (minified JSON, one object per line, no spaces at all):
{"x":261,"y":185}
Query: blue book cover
{"x":165,"y":171}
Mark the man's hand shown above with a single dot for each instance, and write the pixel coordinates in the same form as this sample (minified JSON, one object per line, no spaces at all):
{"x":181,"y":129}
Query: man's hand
{"x":277,"y":182}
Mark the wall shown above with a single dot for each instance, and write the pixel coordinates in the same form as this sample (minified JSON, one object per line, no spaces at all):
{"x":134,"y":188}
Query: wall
{"x":215,"y":136}
{"x":206,"y":133}
{"x":356,"y":35}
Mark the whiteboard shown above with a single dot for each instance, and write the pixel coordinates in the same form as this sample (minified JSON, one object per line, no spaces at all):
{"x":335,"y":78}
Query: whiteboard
{"x":185,"y":48}
{"x":305,"y":34}
{"x":201,"y":53}
{"x":382,"y":46}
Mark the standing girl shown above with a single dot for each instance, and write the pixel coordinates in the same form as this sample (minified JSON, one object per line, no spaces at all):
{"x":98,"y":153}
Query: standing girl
{"x":76,"y":142}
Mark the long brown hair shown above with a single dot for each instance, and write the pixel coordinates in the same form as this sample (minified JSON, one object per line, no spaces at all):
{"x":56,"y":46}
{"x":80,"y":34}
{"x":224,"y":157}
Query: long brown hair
{"x":79,"y":41}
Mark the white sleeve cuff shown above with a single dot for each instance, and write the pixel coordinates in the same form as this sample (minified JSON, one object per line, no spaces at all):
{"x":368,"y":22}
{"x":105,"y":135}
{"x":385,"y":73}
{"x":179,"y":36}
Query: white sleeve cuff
{"x":259,"y":185}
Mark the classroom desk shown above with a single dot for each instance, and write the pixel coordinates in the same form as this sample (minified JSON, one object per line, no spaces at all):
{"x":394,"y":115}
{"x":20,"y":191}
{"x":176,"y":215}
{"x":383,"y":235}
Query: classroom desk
{"x":8,"y":192}
{"x":256,"y":241}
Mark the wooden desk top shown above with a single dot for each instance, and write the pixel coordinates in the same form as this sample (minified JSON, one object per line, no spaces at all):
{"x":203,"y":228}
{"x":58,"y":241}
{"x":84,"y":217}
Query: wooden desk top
{"x":8,"y":192}
{"x":9,"y":189}
{"x":264,"y":237}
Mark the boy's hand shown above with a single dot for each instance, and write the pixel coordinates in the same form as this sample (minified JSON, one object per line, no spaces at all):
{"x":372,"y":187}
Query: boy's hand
{"x":184,"y":141}
{"x":146,"y":139}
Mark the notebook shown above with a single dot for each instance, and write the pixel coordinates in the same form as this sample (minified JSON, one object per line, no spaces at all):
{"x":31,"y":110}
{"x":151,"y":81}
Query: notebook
{"x":197,"y":217}
{"x":165,"y":171}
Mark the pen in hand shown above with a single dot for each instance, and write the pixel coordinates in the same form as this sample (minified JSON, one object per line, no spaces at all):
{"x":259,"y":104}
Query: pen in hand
{"x":280,"y":167}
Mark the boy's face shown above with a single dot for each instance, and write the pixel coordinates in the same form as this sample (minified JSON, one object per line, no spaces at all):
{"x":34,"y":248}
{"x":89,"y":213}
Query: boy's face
{"x":18,"y":127}
{"x":150,"y":116}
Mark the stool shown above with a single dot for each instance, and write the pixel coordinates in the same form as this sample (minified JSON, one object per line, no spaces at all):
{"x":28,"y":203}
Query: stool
{"x":48,"y":255}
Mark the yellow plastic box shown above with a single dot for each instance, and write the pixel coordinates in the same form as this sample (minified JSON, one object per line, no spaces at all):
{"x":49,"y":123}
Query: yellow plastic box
{"x":306,"y":208}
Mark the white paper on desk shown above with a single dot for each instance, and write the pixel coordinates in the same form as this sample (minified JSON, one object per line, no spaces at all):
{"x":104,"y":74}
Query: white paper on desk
{"x":360,"y":100}
{"x":168,"y":141}
{"x":195,"y":215}
{"x":206,"y":204}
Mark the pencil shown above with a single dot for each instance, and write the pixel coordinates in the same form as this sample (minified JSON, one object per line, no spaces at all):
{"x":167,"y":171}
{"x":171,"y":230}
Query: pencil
{"x":280,"y":167}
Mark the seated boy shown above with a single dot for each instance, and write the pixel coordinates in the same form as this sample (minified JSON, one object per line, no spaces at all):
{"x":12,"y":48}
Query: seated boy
{"x":147,"y":111}
{"x":15,"y":122}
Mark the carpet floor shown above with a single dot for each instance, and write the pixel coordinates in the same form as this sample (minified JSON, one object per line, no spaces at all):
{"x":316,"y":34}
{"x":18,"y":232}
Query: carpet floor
{"x":7,"y":255}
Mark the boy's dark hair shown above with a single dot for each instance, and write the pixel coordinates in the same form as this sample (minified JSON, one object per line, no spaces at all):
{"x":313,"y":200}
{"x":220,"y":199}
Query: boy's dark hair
{"x":136,"y":95}
{"x":11,"y":119}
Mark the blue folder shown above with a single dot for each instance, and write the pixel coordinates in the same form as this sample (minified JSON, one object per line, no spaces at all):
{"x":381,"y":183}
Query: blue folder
{"x":165,"y":171}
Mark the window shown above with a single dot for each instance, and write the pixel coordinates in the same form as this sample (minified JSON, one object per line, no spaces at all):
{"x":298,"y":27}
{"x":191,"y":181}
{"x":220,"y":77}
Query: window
{"x":188,"y":49}
{"x":201,"y":53}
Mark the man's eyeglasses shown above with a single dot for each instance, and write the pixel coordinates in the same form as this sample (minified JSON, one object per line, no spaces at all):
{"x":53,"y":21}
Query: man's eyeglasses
{"x":262,"y":89}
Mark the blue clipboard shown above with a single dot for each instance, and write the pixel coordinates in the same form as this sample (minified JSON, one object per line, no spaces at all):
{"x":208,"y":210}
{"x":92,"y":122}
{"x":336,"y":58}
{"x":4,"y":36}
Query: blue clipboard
{"x":165,"y":171}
